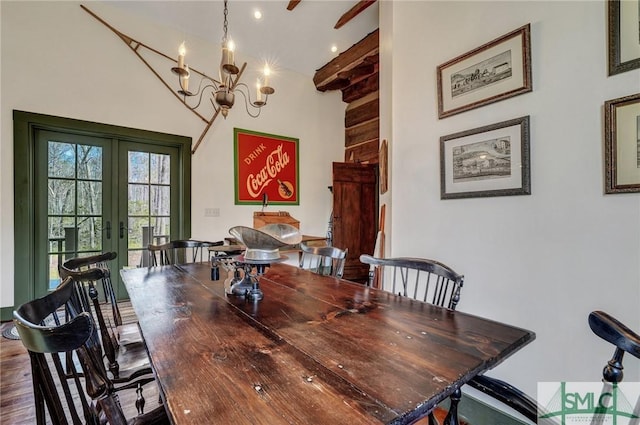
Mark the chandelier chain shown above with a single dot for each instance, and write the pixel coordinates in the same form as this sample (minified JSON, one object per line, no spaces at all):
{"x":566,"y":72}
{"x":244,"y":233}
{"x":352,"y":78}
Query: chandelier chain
{"x":226,"y":23}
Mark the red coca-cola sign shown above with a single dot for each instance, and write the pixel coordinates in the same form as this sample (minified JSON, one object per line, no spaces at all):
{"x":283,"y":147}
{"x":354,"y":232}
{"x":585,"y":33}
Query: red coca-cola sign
{"x":265,"y":164}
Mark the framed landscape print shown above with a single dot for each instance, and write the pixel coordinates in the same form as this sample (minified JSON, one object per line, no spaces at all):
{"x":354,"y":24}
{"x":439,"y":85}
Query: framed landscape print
{"x":495,"y":71}
{"x":622,"y":144}
{"x":486,"y":161}
{"x":265,"y":164}
{"x":624,"y":35}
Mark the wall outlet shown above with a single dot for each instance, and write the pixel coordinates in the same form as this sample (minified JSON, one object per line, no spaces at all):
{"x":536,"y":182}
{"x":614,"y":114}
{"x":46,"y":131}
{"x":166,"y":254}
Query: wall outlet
{"x":212,"y":212}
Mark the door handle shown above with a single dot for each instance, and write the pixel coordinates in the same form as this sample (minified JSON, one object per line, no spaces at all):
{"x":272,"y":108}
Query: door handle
{"x":122,"y":228}
{"x":108,"y":229}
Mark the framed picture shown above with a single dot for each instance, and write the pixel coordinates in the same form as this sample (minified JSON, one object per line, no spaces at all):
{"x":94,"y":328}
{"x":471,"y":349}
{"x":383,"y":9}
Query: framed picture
{"x":495,"y":71}
{"x":486,"y":161}
{"x":622,"y":144}
{"x":624,"y":35}
{"x":265,"y":164}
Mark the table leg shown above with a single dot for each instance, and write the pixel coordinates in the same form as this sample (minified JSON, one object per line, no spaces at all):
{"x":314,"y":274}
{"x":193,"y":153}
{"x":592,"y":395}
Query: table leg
{"x":452,"y":416}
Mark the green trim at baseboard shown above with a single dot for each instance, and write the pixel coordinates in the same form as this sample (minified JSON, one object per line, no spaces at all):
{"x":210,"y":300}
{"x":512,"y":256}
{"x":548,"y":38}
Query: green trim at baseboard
{"x":6,"y":314}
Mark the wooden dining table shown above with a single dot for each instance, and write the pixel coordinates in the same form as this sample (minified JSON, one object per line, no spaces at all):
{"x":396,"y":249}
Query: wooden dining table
{"x":315,"y":350}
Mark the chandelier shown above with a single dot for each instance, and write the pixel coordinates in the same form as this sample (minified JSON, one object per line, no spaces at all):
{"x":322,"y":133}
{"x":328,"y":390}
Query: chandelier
{"x":222,"y":93}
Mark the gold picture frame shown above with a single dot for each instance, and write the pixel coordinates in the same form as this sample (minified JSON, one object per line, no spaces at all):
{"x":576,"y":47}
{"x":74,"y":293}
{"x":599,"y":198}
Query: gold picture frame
{"x":624,"y":35}
{"x":622,"y":144}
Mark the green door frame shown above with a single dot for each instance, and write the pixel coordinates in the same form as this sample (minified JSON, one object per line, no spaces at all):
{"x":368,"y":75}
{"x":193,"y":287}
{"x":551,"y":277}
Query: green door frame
{"x":24,"y":125}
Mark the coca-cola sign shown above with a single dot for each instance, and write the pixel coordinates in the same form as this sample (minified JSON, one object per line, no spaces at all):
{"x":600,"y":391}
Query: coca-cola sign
{"x":265,"y":164}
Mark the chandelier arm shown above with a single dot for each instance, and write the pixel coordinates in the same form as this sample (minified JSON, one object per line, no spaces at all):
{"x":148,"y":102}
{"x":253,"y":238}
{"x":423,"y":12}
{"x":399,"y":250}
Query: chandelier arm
{"x":248,"y":95}
{"x":201,"y":91}
{"x":247,"y":101}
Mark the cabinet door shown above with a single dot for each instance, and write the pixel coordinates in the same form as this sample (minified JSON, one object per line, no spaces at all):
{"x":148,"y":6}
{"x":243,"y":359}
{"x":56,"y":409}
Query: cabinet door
{"x":354,"y":214}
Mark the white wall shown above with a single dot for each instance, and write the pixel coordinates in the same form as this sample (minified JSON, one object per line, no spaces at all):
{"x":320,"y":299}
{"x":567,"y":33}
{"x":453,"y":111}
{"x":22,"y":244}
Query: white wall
{"x":58,"y":60}
{"x":543,"y":261}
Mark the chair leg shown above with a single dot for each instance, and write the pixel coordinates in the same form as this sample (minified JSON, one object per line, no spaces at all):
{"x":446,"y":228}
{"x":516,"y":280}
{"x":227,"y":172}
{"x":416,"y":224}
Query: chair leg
{"x":140,"y":401}
{"x":452,"y":416}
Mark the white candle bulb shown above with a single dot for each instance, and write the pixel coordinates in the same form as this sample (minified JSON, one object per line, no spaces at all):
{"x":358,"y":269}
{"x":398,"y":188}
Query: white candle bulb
{"x":267,"y":73}
{"x":258,"y":92}
{"x":184,"y":80}
{"x":232,"y":47}
{"x":182,"y":50}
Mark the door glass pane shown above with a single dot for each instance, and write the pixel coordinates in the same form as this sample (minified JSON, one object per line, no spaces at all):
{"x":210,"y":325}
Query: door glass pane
{"x":61,"y":160}
{"x":138,"y":199}
{"x":62,"y":195}
{"x":74,"y":203}
{"x":149,"y":206}
{"x":89,"y":162}
{"x":161,"y":226}
{"x":136,"y":229}
{"x":90,"y":234}
{"x":160,"y":200}
{"x":138,"y":167}
{"x":160,"y":169}
{"x":89,"y":197}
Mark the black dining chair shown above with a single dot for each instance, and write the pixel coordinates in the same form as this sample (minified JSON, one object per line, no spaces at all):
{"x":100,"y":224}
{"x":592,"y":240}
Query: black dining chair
{"x":70,"y":382}
{"x":323,"y":260}
{"x":180,"y":252}
{"x":418,"y":278}
{"x":126,"y":333}
{"x":127,"y":361}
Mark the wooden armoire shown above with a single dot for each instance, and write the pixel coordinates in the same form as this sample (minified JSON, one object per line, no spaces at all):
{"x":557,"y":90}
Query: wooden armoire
{"x":354,"y":228}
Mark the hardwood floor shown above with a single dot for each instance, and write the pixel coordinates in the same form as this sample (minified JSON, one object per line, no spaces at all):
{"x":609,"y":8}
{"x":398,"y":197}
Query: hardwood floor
{"x":16,"y":395}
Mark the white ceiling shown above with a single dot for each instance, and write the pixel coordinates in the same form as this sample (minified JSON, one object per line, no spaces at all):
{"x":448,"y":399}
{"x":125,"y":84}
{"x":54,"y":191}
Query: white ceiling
{"x":299,"y":39}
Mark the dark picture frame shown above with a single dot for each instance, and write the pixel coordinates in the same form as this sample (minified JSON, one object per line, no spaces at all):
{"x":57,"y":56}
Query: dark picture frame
{"x":495,"y":71}
{"x":493,"y":160}
{"x":622,"y":144}
{"x":624,"y":35}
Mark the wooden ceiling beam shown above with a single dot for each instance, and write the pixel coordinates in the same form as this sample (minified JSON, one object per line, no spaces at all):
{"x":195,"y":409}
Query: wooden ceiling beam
{"x":292,"y":4}
{"x":366,"y":50}
{"x":353,"y":12}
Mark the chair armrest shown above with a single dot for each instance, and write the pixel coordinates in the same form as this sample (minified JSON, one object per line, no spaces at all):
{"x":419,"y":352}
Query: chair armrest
{"x":507,"y":394}
{"x":611,"y":330}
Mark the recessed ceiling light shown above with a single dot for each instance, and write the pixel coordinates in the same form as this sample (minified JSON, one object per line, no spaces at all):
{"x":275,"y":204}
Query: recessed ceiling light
{"x":257,"y":14}
{"x":334,"y":48}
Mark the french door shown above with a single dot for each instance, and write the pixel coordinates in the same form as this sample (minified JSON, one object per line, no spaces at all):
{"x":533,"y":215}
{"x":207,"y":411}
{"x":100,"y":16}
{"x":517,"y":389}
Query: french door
{"x":95,"y":194}
{"x":148,"y":201}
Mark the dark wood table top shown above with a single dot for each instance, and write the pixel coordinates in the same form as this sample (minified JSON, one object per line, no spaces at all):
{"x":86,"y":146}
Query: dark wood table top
{"x":315,"y":350}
